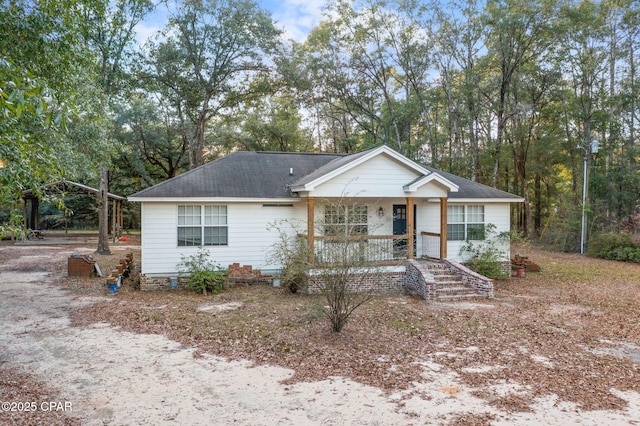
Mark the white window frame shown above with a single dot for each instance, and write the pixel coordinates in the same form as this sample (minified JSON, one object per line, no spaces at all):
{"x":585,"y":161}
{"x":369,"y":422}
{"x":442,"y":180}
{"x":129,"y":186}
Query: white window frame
{"x":344,"y":220}
{"x":466,"y":219}
{"x":202,"y":225}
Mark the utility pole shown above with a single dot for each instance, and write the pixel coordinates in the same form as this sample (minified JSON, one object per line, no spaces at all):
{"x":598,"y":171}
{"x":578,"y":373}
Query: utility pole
{"x":591,"y":147}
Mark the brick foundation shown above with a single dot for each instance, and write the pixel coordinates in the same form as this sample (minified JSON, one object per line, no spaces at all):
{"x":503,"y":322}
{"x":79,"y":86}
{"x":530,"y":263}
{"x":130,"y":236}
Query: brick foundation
{"x":414,"y":279}
{"x":160,"y":283}
{"x":244,"y":274}
{"x":379,"y":281}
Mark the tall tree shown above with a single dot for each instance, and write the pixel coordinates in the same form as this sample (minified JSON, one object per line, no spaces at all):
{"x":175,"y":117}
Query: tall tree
{"x":153,"y":149}
{"x":109,"y":29}
{"x":520,"y":30}
{"x":207,"y":60}
{"x":46,"y":81}
{"x":271,"y":124}
{"x":459,"y":43}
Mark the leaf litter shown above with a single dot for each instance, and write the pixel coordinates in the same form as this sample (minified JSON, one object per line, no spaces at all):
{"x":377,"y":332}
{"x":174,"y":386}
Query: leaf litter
{"x":565,"y":332}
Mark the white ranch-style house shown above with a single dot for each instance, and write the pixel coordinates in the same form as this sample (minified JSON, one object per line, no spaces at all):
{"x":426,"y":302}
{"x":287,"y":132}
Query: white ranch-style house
{"x":230,"y":206}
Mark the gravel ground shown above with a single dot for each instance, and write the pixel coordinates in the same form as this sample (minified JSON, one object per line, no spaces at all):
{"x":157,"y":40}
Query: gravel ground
{"x":72,"y":354}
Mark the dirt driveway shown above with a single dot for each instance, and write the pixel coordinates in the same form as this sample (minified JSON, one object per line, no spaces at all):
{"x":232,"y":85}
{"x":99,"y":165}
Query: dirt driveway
{"x":101,"y":375}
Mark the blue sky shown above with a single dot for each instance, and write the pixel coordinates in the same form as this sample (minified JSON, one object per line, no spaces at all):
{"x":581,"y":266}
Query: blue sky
{"x":295,"y":17}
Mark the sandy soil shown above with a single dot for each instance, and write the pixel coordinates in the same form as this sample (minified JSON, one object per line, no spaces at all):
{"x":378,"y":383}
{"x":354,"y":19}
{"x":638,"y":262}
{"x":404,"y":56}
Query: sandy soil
{"x":113,"y":377}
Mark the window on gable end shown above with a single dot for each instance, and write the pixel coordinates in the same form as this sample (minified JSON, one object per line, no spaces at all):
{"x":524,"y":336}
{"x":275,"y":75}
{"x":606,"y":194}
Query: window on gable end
{"x":202,"y":225}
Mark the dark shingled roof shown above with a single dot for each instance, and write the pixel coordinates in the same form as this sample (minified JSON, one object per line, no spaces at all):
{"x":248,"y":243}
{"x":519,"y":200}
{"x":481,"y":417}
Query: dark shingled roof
{"x":242,"y":174}
{"x":331,"y":166}
{"x":245,"y":174}
{"x":470,"y":189}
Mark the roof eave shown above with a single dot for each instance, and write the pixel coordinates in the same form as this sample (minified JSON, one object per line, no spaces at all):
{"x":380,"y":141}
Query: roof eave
{"x":310,"y":186}
{"x":432,"y":176}
{"x":486,"y":200}
{"x":192,"y":200}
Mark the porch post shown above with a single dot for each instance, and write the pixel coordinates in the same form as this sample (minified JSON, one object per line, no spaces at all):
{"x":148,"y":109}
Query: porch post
{"x":410,"y":221}
{"x":443,"y":227}
{"x":310,"y":229}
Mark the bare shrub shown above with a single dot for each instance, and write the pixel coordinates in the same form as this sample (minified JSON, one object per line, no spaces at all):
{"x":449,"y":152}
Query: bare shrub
{"x":344,"y":266}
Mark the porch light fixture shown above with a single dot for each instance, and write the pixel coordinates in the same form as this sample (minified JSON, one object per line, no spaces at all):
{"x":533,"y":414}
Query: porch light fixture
{"x":380,"y":212}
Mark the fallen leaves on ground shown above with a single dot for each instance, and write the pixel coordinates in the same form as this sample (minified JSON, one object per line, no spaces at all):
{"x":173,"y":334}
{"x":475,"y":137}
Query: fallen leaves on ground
{"x":571,"y":331}
{"x":22,"y":389}
{"x":540,"y":333}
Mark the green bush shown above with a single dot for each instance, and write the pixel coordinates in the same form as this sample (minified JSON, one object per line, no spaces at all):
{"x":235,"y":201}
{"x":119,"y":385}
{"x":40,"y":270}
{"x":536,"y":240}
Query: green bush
{"x":291,"y":251}
{"x":485,"y":257}
{"x":294,"y":277}
{"x":206,"y":281}
{"x":604,"y":244}
{"x":614,"y":246}
{"x":203,"y":275}
{"x":487,"y":265}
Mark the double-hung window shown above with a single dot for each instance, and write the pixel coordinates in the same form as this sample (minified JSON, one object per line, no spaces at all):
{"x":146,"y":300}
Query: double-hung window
{"x":202,"y":225}
{"x":340,"y":220}
{"x":465,"y":222}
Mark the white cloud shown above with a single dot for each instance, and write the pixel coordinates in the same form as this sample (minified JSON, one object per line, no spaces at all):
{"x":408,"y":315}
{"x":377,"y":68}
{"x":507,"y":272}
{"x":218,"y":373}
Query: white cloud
{"x":297,"y":17}
{"x":144,"y":31}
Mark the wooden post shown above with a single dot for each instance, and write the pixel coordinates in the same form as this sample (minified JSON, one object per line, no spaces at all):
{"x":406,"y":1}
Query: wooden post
{"x":114,"y":215}
{"x":35,"y":205}
{"x":443,"y":227}
{"x":411,"y":220}
{"x":120,"y":215}
{"x":24,"y":215}
{"x":310,"y":229}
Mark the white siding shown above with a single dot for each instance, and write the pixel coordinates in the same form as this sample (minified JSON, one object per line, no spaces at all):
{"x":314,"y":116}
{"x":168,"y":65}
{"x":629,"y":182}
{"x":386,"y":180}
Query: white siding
{"x":381,"y":176}
{"x":495,"y":213}
{"x":250,"y":233}
{"x":252,"y":236}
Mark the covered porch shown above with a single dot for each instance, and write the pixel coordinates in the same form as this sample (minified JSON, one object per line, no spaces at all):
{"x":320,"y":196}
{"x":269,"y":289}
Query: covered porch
{"x":62,"y":188}
{"x":395,"y":229}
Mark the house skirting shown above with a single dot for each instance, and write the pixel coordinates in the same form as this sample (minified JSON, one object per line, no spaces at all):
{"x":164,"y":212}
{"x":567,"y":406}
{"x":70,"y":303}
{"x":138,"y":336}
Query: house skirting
{"x":414,"y":278}
{"x":150,"y":283}
{"x":383,"y":279}
{"x":237,"y":274}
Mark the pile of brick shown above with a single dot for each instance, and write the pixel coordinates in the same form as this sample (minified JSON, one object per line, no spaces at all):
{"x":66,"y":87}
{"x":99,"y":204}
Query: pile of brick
{"x":79,"y":265}
{"x":523,"y":262}
{"x":245,"y":274}
{"x":122,"y":271}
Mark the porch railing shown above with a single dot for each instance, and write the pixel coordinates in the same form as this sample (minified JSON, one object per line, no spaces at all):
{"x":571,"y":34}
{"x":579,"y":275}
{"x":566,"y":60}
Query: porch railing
{"x":430,"y":244}
{"x":363,"y":248}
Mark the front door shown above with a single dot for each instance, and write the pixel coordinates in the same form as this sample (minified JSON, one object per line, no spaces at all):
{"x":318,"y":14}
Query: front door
{"x":400,"y":228}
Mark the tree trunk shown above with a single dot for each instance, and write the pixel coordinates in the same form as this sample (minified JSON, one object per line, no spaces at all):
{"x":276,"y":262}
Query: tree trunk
{"x":103,"y":218}
{"x":537,"y":226}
